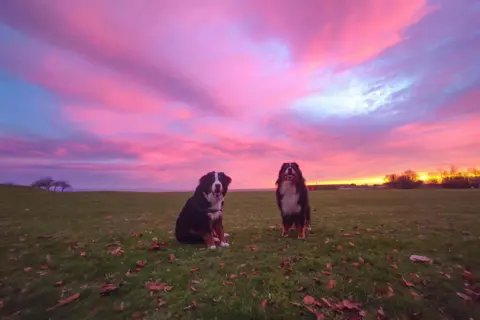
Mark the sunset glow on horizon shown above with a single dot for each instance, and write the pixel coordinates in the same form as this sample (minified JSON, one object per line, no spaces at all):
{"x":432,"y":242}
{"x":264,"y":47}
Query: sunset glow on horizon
{"x":115,"y":94}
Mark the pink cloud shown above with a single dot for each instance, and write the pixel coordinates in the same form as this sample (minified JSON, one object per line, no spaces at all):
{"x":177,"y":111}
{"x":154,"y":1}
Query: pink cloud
{"x":163,"y":91}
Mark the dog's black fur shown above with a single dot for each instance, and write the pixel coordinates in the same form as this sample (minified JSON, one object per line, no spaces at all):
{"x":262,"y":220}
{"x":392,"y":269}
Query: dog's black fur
{"x":290,"y":173}
{"x":194,"y":224}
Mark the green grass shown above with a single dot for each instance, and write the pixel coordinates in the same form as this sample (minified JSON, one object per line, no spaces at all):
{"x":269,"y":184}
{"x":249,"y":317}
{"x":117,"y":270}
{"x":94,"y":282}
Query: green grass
{"x":386,"y":227}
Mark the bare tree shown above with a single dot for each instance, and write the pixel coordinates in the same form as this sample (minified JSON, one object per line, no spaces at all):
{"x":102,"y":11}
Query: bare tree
{"x":62,"y":185}
{"x":45,"y":183}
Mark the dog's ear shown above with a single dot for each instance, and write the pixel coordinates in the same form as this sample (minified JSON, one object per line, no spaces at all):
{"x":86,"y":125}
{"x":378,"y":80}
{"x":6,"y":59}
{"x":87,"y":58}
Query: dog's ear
{"x":299,"y":171}
{"x":226,"y":179}
{"x":204,"y":178}
{"x":280,"y":173}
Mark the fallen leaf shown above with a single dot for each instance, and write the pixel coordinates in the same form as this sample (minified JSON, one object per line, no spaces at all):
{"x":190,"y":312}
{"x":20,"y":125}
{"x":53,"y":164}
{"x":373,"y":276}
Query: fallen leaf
{"x":113,"y":244}
{"x":108,"y":288}
{"x":327,"y":303}
{"x":328,"y":266}
{"x":339,"y":247}
{"x":331,"y":284}
{"x":253,"y":248}
{"x":407,"y":283}
{"x":263,"y":304}
{"x":21,"y":239}
{"x":65,"y":301}
{"x":327,"y":273}
{"x":317,"y":313}
{"x":361,"y":260}
{"x":117,"y":252}
{"x":416,"y":258}
{"x":141,"y":263}
{"x":157,"y":286}
{"x":380,"y":312}
{"x":416,"y":295}
{"x":161,"y":303}
{"x":194,"y":270}
{"x":58,"y":283}
{"x":227,"y":282}
{"x":193,"y":289}
{"x":347,"y":234}
{"x":351,"y":244}
{"x":446,"y":275}
{"x":326,"y":241}
{"x":27,"y":269}
{"x":300,"y":289}
{"x":467,"y":275}
{"x":394,"y":266}
{"x":193,"y":305}
{"x":1,"y":304}
{"x":195,"y":281}
{"x":233,"y":276}
{"x":45,"y":236}
{"x":83,"y":254}
{"x":308,"y":299}
{"x":296,"y":304}
{"x":464,"y":296}
{"x":356,"y":264}
{"x":222,"y":264}
{"x":172,"y":257}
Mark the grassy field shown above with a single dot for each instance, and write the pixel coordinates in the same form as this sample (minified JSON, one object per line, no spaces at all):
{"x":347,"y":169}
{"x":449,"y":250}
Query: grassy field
{"x":58,"y":247}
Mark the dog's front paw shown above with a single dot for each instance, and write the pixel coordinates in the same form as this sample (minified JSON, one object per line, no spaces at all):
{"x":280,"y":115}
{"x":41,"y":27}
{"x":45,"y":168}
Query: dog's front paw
{"x":224,"y":244}
{"x":212,"y":247}
{"x":226,"y":235}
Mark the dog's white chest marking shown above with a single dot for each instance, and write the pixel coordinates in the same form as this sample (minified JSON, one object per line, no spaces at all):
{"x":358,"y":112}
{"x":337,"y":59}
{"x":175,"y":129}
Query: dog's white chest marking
{"x":289,"y":200}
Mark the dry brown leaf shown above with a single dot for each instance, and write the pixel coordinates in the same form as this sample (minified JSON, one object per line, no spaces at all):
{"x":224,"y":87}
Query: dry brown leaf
{"x":296,"y":304}
{"x":467,"y":275}
{"x":347,"y":234}
{"x":263,"y":304}
{"x":253,"y":248}
{"x":326,"y":241}
{"x":193,"y":289}
{"x":58,"y":283}
{"x":141,"y":263}
{"x":194,"y":270}
{"x":327,"y":273}
{"x":464,"y":296}
{"x":108,"y":288}
{"x":361,"y":260}
{"x":339,"y":247}
{"x":300,"y":289}
{"x":172,"y":257}
{"x":394,"y":266}
{"x":117,"y":252}
{"x":65,"y":301}
{"x":331,"y":284}
{"x":407,"y":283}
{"x":157,"y":286}
{"x":317,"y":313}
{"x":27,"y":269}
{"x":351,"y":244}
{"x":233,"y":276}
{"x":161,"y":303}
{"x":113,"y":244}
{"x":83,"y":254}
{"x":328,"y":266}
{"x":193,"y":305}
{"x":45,"y":236}
{"x":227,"y":282}
{"x":327,"y":303}
{"x":356,"y":264}
{"x":380,"y":312}
{"x":195,"y":281}
{"x":446,"y":275}
{"x":308,"y":300}
{"x":222,"y":264}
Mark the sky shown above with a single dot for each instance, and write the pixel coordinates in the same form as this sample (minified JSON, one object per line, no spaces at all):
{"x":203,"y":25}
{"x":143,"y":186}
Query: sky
{"x":121,"y":94}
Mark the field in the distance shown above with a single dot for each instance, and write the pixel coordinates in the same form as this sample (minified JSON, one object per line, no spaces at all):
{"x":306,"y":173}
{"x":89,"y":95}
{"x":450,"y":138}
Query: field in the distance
{"x":360,"y":239}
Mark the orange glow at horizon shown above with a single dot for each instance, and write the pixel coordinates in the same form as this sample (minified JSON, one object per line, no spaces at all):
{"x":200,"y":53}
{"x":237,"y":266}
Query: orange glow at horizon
{"x":422,"y":175}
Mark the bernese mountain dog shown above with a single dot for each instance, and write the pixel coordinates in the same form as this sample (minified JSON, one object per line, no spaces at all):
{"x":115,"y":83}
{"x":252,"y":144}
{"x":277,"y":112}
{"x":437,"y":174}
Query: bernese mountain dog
{"x":200,"y":219}
{"x":292,"y":199}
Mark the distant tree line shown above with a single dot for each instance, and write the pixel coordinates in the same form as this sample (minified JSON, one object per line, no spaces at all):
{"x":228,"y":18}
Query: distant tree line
{"x":453,"y":179}
{"x":48,"y":183}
